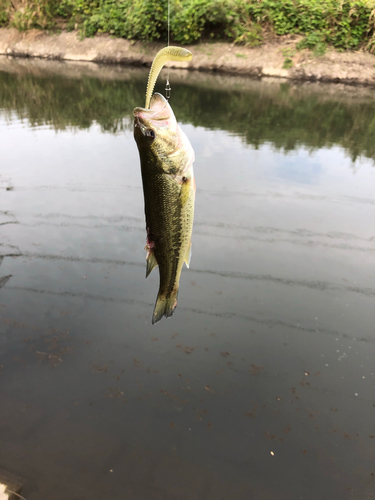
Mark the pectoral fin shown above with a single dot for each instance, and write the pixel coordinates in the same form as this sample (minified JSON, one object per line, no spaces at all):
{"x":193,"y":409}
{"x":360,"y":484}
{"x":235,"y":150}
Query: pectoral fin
{"x":188,"y":256}
{"x":151,"y":262}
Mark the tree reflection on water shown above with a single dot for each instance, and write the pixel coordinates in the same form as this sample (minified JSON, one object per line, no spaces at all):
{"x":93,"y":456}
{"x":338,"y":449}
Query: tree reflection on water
{"x":285,"y":115}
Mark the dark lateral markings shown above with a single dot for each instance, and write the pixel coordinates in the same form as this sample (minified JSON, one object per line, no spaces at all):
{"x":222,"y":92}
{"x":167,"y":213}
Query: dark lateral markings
{"x":314,"y":285}
{"x":223,"y":315}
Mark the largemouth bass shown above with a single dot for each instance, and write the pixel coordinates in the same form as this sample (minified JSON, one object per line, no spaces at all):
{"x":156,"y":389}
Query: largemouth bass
{"x":169,"y":193}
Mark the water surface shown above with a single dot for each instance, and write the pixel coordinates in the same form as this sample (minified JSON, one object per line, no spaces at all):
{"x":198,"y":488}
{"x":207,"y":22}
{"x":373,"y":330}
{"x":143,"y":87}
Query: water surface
{"x":262,"y":384}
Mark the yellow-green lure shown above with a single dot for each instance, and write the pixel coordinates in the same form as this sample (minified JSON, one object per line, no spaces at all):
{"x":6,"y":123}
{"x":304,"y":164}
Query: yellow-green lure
{"x":163,"y":56}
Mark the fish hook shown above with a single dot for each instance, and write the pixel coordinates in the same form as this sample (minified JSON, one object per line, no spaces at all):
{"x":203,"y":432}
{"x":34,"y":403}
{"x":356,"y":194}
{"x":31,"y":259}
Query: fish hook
{"x":168,"y":89}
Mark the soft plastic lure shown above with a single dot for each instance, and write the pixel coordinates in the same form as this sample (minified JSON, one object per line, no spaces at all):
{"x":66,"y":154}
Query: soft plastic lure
{"x":163,"y":56}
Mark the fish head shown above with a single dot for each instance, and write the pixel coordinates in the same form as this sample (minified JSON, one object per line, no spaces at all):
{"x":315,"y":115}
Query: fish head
{"x":157,"y":133}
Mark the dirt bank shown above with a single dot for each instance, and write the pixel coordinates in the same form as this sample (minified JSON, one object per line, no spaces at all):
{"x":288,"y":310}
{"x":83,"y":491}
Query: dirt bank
{"x":355,"y":68}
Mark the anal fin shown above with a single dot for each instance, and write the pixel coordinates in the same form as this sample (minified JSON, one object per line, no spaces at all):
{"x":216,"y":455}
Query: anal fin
{"x":151,"y":262}
{"x":188,"y":256}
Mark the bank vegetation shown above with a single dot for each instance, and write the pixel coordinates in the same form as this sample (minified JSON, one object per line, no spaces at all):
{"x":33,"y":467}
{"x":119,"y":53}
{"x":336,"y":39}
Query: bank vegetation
{"x":343,"y":24}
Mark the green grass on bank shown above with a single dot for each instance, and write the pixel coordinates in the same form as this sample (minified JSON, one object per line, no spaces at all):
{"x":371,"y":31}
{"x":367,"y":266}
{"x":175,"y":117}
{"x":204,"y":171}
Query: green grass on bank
{"x":345,"y":24}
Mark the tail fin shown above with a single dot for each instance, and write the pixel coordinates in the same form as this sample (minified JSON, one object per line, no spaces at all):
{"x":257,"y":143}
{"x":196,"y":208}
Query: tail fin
{"x":164,"y":306}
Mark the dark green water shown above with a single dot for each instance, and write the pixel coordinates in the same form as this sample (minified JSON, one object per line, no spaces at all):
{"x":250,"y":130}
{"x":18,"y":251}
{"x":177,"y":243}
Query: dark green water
{"x":261,"y":386}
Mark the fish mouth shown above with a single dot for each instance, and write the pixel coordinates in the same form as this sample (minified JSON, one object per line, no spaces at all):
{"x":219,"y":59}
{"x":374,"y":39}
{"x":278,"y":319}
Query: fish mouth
{"x":138,"y":122}
{"x":160,"y":111}
{"x":159,"y":118}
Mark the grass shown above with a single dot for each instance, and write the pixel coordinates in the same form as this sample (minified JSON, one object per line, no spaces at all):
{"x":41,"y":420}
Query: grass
{"x":288,"y":63}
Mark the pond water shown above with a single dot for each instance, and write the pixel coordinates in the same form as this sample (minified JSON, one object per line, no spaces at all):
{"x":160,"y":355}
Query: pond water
{"x":261,"y":386}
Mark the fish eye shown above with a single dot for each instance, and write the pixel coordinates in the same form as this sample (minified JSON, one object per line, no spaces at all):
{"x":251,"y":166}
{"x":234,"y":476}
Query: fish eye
{"x":150,"y":134}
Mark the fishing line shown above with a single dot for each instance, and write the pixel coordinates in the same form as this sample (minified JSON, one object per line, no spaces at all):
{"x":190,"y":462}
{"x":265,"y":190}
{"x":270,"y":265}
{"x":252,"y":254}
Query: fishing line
{"x":169,"y":19}
{"x":168,"y":86}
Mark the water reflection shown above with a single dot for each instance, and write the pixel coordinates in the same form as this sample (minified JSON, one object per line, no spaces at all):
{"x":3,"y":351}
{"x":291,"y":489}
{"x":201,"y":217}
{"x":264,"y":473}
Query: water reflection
{"x":3,"y":279}
{"x":262,"y":385}
{"x":286,"y":115}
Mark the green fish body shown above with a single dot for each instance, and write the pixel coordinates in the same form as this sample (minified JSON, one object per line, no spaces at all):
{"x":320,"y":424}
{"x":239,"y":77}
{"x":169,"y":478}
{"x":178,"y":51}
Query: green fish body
{"x":169,"y":193}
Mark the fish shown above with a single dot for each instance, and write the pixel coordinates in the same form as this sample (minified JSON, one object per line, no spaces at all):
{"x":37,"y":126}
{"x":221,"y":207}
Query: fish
{"x":166,"y":157}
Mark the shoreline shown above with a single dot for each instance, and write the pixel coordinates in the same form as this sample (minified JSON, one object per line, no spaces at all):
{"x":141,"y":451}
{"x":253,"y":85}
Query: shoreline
{"x":349,"y":68}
